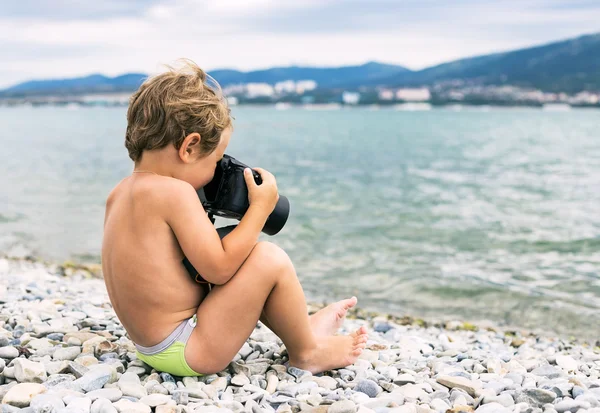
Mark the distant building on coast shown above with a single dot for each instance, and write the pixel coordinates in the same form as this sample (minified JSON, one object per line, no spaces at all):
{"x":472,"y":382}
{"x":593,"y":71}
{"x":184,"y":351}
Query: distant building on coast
{"x":350,"y":98}
{"x":385,"y":94}
{"x":413,"y":94}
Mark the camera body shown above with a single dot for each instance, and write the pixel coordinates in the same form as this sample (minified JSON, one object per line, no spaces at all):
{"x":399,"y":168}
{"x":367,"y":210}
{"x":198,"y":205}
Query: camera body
{"x":226,"y":195}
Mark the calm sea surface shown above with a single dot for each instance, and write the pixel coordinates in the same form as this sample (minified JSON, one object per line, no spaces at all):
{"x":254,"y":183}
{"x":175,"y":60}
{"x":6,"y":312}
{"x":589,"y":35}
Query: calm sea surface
{"x":473,"y":214}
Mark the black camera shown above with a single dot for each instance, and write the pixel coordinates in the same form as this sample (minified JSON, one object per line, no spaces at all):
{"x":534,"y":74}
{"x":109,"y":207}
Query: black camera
{"x":227,"y":195}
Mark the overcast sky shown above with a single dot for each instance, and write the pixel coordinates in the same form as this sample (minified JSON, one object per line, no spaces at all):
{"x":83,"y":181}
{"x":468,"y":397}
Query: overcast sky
{"x":65,"y":38}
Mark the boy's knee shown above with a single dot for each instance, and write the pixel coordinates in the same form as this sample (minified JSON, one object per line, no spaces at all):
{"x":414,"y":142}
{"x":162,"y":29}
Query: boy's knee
{"x":272,"y":255}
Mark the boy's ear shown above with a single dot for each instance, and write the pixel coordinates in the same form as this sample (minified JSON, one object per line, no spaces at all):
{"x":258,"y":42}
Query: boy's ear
{"x":190,"y":147}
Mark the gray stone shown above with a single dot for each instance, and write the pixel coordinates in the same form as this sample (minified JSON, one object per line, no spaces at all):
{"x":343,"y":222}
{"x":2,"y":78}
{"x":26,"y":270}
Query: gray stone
{"x":66,"y":353}
{"x":157,"y":389}
{"x":577,"y":391}
{"x":342,"y":406}
{"x":298,"y":373}
{"x":59,"y":381}
{"x":240,"y":380}
{"x":461,"y":383}
{"x":27,"y":371}
{"x":566,"y":362}
{"x":79,"y":405}
{"x":110,"y":394}
{"x":300,"y":388}
{"x":181,"y":397}
{"x":77,"y":369}
{"x":368,"y":387}
{"x":57,"y":367}
{"x":167,"y":377}
{"x":246,"y":350}
{"x":9,"y":352}
{"x":504,"y":399}
{"x":7,"y":408}
{"x":128,"y":406}
{"x":403,"y":379}
{"x":535,"y":397}
{"x":95,"y":379}
{"x":154,"y":400}
{"x":571,"y":405}
{"x":250,"y":368}
{"x":21,"y":394}
{"x":46,"y":403}
{"x":102,"y":406}
{"x":220,"y":383}
{"x":547,"y":371}
{"x":132,"y":389}
{"x":492,"y":408}
{"x":439,"y":405}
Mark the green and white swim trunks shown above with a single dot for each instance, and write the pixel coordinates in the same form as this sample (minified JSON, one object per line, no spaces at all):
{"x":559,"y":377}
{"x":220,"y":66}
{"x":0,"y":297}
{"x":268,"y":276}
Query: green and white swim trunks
{"x":169,"y":355}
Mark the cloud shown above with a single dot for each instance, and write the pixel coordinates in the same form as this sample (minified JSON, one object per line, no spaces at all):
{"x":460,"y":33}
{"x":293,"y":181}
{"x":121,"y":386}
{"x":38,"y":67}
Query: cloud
{"x":62,"y":10}
{"x":67,"y":38}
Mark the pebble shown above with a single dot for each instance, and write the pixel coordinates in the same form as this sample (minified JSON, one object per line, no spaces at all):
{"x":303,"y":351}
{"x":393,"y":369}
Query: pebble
{"x":110,"y":394}
{"x":76,"y":356}
{"x":459,"y":382}
{"x":154,"y":400}
{"x":567,"y":362}
{"x":102,"y":406}
{"x":240,"y":380}
{"x":66,"y":353}
{"x":127,"y":406}
{"x":95,"y":379}
{"x":27,"y":371}
{"x":22,"y":394}
{"x":46,"y":403}
{"x":368,"y":387}
{"x":535,"y":397}
{"x":79,"y":405}
{"x":9,"y":352}
{"x":343,"y":406}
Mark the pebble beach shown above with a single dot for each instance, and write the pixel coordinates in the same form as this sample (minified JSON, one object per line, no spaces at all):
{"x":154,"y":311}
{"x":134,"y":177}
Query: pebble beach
{"x":62,"y":349}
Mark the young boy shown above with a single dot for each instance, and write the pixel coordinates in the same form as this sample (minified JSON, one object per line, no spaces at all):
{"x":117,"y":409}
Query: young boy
{"x":178,"y":128}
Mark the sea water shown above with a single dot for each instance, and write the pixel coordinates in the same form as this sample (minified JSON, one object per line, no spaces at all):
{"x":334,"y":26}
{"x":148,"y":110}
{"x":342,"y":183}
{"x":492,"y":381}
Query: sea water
{"x":473,"y":214}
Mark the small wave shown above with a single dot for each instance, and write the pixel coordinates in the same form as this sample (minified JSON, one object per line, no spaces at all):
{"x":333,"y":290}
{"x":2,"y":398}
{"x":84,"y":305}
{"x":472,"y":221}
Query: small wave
{"x":11,"y":218}
{"x":583,"y":246}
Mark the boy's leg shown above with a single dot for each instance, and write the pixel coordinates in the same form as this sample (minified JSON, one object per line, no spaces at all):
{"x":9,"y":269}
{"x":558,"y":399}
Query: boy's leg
{"x":228,"y":315}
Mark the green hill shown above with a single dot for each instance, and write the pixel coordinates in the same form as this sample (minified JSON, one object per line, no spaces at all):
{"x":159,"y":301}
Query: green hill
{"x":566,"y":66}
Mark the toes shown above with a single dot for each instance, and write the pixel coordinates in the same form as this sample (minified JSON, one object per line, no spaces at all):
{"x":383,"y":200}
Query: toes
{"x":360,"y":346}
{"x":357,"y":352}
{"x":349,"y":303}
{"x":360,"y":339}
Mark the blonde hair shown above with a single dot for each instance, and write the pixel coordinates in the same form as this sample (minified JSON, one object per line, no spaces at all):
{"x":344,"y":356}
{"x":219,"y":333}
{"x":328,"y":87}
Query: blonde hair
{"x":169,"y":106}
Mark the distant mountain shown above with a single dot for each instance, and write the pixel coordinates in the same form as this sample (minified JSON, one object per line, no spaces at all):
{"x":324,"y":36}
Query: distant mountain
{"x":565,"y":66}
{"x":89,"y":84}
{"x":347,"y":76}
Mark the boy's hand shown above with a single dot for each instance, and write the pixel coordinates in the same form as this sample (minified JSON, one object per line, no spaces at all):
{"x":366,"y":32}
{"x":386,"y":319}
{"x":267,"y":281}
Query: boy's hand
{"x":265,"y":195}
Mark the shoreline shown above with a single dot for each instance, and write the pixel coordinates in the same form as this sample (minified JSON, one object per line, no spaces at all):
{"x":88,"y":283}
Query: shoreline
{"x":94,"y":270}
{"x":62,"y":349}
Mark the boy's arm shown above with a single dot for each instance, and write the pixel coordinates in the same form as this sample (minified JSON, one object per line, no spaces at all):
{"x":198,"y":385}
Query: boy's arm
{"x":214,"y":260}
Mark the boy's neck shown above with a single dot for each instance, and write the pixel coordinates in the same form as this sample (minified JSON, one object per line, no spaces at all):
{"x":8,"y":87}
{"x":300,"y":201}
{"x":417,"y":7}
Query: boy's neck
{"x":154,"y":161}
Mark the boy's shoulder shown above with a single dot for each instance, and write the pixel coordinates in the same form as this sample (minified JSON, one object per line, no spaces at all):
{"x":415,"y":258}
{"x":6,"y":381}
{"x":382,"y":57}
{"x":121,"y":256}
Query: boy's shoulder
{"x":158,"y":191}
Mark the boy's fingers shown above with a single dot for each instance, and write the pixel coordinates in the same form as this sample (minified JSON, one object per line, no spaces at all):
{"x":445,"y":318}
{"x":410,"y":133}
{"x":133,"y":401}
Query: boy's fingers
{"x":248,"y":177}
{"x":264,"y":174}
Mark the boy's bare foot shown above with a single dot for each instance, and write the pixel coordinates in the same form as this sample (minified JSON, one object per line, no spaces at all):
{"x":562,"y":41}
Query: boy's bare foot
{"x":332,"y":352}
{"x":328,"y":320}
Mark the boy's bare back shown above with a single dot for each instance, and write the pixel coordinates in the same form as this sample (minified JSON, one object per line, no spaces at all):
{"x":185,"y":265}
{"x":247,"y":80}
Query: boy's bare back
{"x":149,"y":287}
